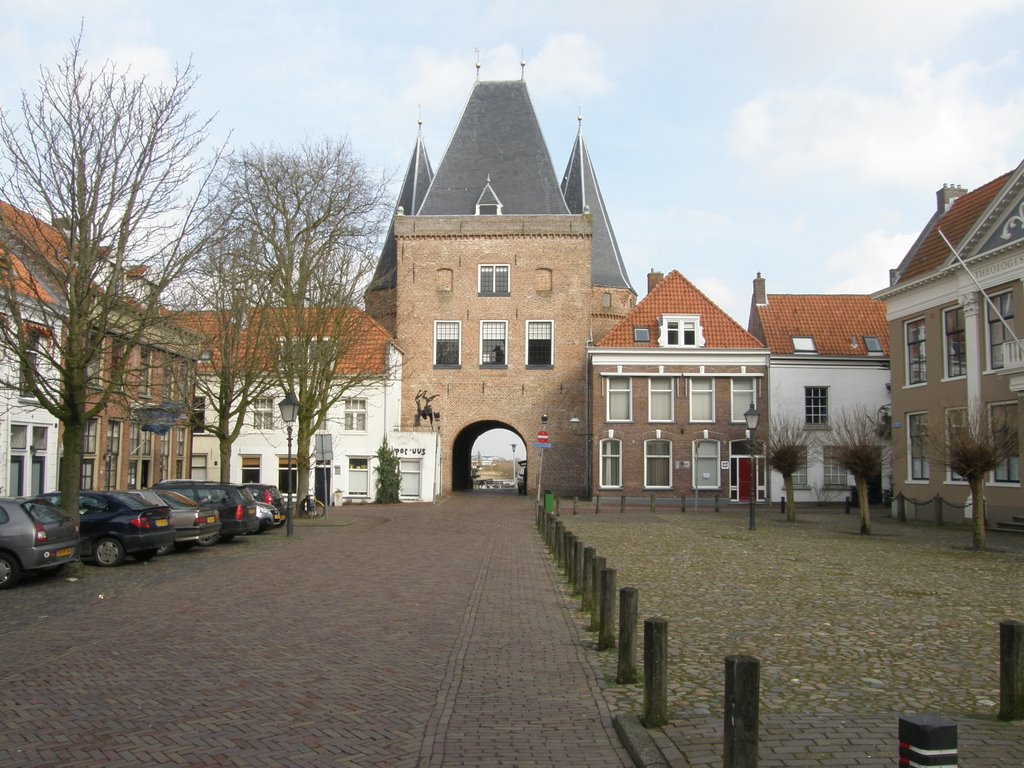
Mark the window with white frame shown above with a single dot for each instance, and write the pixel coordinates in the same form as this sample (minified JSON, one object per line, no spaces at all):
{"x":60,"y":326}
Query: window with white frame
{"x":956,"y":342}
{"x":90,"y":433}
{"x":611,"y":464}
{"x":742,"y":397}
{"x":355,"y":414}
{"x":800,"y":476}
{"x":706,"y":465}
{"x":287,"y":475}
{"x":619,"y":398}
{"x":199,"y":467}
{"x":199,"y":416}
{"x":28,"y":368}
{"x":836,"y":475}
{"x":917,"y":369}
{"x":1003,"y":420}
{"x":447,"y":342}
{"x":358,"y":476}
{"x":997,"y":328}
{"x":263,"y":413}
{"x":657,"y":464}
{"x":493,"y":342}
{"x":660,"y":405}
{"x":540,"y":335}
{"x":816,"y":406}
{"x":702,"y":399}
{"x":88,"y":474}
{"x":917,"y":448}
{"x":409,"y":476}
{"x":680,"y":331}
{"x":145,"y":372}
{"x":493,"y":280}
{"x":250,"y":469}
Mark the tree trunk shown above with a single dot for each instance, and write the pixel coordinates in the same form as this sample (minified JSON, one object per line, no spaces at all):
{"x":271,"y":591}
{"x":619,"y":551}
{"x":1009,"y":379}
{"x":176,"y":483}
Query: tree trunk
{"x":225,"y":459}
{"x":865,"y":512}
{"x":978,"y":497}
{"x":790,"y":504}
{"x":70,"y":479}
{"x":302,"y":455}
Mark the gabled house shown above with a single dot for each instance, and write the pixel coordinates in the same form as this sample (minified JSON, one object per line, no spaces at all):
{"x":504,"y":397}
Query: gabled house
{"x":956,"y":320}
{"x":829,"y":355}
{"x":669,"y":386}
{"x":343,"y":463}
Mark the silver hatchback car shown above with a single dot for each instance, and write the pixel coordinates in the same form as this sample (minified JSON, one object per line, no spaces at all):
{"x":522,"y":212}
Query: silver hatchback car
{"x":35,"y":535}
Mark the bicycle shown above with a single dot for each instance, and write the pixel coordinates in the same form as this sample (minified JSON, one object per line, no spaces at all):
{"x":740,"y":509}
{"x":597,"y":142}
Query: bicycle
{"x":311,"y":510}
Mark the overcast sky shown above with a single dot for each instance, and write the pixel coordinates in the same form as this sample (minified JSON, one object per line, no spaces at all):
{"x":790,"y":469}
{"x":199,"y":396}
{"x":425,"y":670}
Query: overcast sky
{"x":804,"y":139}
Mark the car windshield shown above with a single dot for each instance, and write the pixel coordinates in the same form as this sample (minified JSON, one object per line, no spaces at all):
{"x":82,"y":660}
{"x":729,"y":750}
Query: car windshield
{"x":132,"y":501}
{"x":176,"y":499}
{"x":43,"y":511}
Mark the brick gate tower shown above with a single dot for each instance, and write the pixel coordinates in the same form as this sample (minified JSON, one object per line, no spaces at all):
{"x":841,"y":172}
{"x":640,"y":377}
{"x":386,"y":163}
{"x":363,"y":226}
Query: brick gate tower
{"x":494,"y":279}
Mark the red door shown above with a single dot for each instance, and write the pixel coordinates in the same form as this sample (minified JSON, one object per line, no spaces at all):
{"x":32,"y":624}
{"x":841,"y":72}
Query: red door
{"x":743,"y":478}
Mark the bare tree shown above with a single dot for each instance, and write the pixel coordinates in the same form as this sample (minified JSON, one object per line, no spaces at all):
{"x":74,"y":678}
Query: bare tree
{"x":786,"y":448}
{"x":109,"y":160}
{"x":315,"y":215}
{"x":857,"y":444}
{"x":973,"y":444}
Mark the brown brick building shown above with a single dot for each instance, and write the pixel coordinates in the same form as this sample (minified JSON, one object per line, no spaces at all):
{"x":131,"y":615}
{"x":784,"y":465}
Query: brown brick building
{"x":494,"y":279}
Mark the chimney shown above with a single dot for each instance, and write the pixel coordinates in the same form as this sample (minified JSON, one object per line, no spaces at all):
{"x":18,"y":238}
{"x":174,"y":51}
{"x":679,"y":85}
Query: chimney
{"x":760,"y":296}
{"x":653,"y":278}
{"x":945,"y":196}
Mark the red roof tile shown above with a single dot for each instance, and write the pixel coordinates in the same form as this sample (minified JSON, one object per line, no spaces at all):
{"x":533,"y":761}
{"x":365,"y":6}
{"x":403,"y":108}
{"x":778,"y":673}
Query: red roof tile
{"x":675,"y":295}
{"x":835,"y":322}
{"x":955,"y":223}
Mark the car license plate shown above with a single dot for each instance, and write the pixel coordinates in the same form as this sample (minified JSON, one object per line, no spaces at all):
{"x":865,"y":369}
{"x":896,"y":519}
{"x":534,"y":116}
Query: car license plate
{"x":211,"y":519}
{"x":63,"y":551}
{"x":161,"y":523}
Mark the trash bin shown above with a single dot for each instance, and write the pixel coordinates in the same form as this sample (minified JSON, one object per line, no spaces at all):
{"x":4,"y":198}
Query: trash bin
{"x":549,"y":501}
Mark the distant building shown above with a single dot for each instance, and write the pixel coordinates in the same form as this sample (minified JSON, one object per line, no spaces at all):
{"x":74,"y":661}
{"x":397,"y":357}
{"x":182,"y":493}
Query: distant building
{"x":829,"y":355}
{"x":669,"y":386}
{"x":955,"y":333}
{"x":494,"y":279}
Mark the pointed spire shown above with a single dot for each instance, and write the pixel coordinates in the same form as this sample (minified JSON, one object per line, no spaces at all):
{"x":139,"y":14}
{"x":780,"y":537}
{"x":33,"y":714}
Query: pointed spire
{"x":522,"y":64}
{"x":583,"y":195}
{"x":418,"y":177}
{"x":478,"y":65}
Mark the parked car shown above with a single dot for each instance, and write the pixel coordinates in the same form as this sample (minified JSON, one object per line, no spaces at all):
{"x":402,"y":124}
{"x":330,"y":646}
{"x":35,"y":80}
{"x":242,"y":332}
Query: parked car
{"x":235,"y":504}
{"x":269,"y":494}
{"x":114,"y":524}
{"x":192,"y":521}
{"x":267,"y":515}
{"x":35,"y":536}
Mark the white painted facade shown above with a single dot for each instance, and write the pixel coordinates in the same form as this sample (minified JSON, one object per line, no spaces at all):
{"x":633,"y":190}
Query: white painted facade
{"x":356,"y":426}
{"x":854,"y":384}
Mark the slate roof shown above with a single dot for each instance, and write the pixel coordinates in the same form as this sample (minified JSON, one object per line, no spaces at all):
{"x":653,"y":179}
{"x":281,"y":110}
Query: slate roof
{"x":675,"y":295}
{"x":498,"y":136}
{"x":581,"y":190}
{"x":835,"y":322}
{"x":930,"y":251}
{"x":418,"y":176}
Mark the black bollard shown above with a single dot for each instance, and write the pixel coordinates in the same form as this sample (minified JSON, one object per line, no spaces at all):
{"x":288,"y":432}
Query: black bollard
{"x":1011,"y":670}
{"x":598,"y":565}
{"x":655,"y":672}
{"x":928,"y":740}
{"x":628,"y":602}
{"x":606,"y":612}
{"x":588,"y":570}
{"x":742,"y":694}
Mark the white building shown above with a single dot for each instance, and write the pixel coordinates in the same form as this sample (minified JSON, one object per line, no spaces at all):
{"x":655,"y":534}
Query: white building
{"x":829,"y":355}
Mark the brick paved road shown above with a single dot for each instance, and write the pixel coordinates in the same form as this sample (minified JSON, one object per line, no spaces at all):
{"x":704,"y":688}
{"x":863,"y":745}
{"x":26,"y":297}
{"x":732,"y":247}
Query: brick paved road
{"x":417,"y":635}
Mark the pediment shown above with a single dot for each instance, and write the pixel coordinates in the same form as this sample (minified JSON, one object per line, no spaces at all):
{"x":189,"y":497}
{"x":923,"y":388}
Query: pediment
{"x":1002,"y":223}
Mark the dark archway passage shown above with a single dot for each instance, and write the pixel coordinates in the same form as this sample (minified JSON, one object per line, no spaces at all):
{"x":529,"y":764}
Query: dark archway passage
{"x":462,"y":451}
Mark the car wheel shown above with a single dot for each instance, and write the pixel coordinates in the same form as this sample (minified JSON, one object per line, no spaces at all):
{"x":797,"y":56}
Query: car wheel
{"x":146,"y":554}
{"x":10,"y":571}
{"x":185,"y":546}
{"x":208,"y":541}
{"x":108,"y":552}
{"x":166,"y":549}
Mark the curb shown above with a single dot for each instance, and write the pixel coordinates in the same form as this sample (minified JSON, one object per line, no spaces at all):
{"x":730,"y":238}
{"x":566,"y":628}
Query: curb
{"x":638,"y":742}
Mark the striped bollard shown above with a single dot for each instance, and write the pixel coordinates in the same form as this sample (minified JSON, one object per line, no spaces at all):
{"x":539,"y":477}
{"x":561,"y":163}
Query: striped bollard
{"x":926,"y":740}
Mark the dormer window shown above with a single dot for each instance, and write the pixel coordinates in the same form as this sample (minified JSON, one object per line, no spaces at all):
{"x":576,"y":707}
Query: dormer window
{"x":680,"y":331}
{"x":804,"y":344}
{"x":488,"y":203}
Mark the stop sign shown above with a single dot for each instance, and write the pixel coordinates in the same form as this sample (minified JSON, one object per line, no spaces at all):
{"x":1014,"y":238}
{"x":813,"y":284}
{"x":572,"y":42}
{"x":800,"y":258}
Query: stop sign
{"x":542,"y":436}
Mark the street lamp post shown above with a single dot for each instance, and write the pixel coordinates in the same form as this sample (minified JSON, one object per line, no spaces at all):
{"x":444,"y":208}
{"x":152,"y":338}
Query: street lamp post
{"x":513,"y":463}
{"x":289,"y":411}
{"x":752,"y":416}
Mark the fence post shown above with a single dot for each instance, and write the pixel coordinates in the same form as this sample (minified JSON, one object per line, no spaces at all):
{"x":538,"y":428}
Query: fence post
{"x":927,"y":740}
{"x":655,"y":672}
{"x":622,"y":504}
{"x":606,"y":617}
{"x":1011,"y":670}
{"x":628,"y":602}
{"x":716,"y":502}
{"x":937,"y":509}
{"x":599,"y":564}
{"x":575,"y":502}
{"x":652,"y":503}
{"x":588,"y":570}
{"x":597,"y":505}
{"x":742,"y":691}
{"x":682,"y":504}
{"x":577,"y":566}
{"x":567,"y":552}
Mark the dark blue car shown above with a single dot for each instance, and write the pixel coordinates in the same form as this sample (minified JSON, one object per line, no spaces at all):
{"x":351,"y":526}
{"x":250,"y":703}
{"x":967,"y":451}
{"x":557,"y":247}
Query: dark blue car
{"x":115,"y":524}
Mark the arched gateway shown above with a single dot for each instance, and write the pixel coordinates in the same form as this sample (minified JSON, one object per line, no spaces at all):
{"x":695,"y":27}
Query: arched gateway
{"x":462,"y":451}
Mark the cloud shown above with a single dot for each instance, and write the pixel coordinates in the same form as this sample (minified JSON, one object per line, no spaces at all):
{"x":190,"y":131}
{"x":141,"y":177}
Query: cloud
{"x":926,"y":123}
{"x":864,"y":266}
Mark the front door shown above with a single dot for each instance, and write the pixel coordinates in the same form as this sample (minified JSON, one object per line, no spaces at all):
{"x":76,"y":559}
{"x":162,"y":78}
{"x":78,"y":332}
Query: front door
{"x":742,"y":475}
{"x":38,"y":473}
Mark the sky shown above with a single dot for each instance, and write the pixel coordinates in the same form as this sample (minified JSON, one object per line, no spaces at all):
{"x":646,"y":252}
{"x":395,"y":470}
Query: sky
{"x":802,"y":139}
